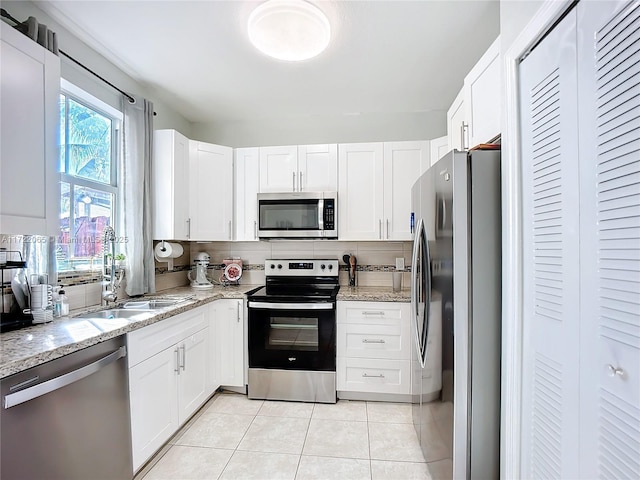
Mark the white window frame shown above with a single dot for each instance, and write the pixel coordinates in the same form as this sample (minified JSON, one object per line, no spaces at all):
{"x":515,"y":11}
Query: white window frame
{"x":79,"y":95}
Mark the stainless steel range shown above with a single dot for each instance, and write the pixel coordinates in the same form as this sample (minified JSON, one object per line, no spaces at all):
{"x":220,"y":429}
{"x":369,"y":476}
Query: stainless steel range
{"x":292,"y":332}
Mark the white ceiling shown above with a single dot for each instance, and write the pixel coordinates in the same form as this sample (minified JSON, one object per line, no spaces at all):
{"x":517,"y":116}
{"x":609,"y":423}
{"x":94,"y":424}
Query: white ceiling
{"x":384,"y":56}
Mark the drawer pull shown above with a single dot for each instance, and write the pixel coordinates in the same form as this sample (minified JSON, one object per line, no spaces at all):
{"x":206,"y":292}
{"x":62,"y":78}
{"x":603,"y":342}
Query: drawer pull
{"x":366,"y":340}
{"x":373,"y":313}
{"x":366,"y":375}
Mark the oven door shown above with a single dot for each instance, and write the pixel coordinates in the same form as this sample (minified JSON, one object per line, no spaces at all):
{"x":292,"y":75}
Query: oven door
{"x":292,"y":336}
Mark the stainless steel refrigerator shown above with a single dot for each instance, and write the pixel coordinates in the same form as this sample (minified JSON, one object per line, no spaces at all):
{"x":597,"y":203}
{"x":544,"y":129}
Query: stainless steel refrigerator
{"x":457,"y":260}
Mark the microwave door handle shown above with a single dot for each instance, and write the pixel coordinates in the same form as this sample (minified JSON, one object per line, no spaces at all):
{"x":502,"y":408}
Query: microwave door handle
{"x":321,"y":214}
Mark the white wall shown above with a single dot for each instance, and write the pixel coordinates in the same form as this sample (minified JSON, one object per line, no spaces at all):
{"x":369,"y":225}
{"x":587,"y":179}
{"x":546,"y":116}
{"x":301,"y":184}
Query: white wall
{"x":372,"y":127}
{"x":166,"y":118}
{"x":514,"y":16}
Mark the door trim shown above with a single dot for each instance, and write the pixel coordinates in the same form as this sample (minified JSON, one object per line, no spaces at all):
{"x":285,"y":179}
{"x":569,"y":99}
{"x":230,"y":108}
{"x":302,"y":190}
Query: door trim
{"x":512,"y":274}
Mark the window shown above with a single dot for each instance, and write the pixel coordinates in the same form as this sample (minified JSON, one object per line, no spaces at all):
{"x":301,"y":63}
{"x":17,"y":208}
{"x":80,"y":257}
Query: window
{"x":89,"y":131}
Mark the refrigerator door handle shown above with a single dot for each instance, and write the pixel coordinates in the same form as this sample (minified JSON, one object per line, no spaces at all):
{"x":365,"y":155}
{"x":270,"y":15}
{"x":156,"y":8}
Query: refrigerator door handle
{"x":427,"y":268}
{"x":414,"y":285}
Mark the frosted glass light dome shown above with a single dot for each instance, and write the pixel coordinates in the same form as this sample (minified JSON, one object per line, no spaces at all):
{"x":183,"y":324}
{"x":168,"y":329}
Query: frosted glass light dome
{"x":291,"y":30}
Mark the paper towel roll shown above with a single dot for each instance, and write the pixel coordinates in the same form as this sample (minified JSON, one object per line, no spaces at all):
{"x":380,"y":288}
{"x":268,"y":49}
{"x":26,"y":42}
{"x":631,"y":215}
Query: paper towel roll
{"x":166,"y":250}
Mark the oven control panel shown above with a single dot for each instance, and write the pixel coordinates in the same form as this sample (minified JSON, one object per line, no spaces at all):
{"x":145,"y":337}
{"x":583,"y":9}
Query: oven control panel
{"x":306,"y":268}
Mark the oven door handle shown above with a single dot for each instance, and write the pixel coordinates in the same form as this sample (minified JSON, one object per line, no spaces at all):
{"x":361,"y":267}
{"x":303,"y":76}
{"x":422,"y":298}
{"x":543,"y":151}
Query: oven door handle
{"x":292,"y":306}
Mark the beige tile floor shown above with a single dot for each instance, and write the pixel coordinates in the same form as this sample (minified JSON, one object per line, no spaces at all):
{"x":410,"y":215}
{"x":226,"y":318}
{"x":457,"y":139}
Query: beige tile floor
{"x":233,"y":437}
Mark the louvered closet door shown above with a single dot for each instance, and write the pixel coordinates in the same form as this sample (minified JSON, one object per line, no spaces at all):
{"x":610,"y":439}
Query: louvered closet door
{"x":609,"y":72}
{"x":550,"y":415}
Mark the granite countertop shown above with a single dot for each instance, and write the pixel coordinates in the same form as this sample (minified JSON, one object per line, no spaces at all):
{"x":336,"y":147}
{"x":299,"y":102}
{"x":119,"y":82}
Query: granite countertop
{"x":32,"y":346}
{"x":28,"y":347}
{"x":373,"y":294}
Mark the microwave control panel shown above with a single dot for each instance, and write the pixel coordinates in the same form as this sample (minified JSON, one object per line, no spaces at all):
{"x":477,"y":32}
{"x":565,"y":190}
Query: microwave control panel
{"x":329,"y":214}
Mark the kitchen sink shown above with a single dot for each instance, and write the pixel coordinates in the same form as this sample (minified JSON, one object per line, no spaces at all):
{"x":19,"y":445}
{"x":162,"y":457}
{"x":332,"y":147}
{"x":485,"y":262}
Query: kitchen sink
{"x":154,"y":303}
{"x":134,"y":314}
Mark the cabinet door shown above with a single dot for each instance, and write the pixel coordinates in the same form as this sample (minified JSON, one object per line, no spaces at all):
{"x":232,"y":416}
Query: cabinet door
{"x":318,"y":168}
{"x":192,"y":377}
{"x":404,"y":162}
{"x":457,"y":124}
{"x":609,"y":114}
{"x":360,"y":191}
{"x":170,"y":186}
{"x":247,"y":183}
{"x":439,"y":148}
{"x":483,"y":87}
{"x":154,"y":403}
{"x":279,"y":169}
{"x":551,"y":277}
{"x":211,"y":191}
{"x":229,"y":326}
{"x":29,"y":88}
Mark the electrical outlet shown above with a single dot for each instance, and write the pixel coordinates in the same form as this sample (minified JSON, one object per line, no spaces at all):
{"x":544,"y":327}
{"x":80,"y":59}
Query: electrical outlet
{"x":400,"y":263}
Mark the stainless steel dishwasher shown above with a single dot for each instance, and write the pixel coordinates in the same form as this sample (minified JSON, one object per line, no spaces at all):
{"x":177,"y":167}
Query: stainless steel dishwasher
{"x":68,"y":418}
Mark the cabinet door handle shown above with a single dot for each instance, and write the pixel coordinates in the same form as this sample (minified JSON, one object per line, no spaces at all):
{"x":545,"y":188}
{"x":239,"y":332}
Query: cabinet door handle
{"x":184,"y":356}
{"x":366,"y":340}
{"x":366,"y":375}
{"x":177,"y":352}
{"x":387,"y":229}
{"x":615,"y":372}
{"x":293,"y":175}
{"x":300,"y":181}
{"x":380,"y":229}
{"x":229,"y":229}
{"x":464,"y":128}
{"x":188,"y":228}
{"x":238,"y":311}
{"x":373,"y":313}
{"x":255,"y":229}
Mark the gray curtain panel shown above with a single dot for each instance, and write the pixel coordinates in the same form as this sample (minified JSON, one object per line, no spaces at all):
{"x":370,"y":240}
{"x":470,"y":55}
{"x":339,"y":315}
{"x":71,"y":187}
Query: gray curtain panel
{"x":135,"y":204}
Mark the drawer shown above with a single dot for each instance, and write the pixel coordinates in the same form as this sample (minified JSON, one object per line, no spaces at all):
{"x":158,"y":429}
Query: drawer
{"x":150,"y":340}
{"x":373,"y":313}
{"x":373,"y":375}
{"x":374,"y":341}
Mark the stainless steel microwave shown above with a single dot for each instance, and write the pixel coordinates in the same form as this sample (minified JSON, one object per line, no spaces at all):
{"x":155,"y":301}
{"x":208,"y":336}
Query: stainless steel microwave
{"x":298,"y":215}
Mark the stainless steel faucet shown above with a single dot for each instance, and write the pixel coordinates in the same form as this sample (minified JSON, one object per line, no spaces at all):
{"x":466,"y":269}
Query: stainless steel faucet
{"x":114,"y":277}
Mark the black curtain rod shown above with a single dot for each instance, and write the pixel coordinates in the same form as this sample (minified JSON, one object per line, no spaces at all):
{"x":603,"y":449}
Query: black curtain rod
{"x":6,"y":14}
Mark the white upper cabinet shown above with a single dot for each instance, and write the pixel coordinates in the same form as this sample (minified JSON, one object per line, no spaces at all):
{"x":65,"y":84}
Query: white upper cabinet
{"x":404,"y":162}
{"x":482,"y":90}
{"x":30,"y":88}
{"x":360,"y":191}
{"x":438,"y":148}
{"x":170,"y":186}
{"x":457,"y":124}
{"x":247,"y":183}
{"x":279,"y":169}
{"x":210,"y":191}
{"x":318,"y":168}
{"x":474,"y":115}
{"x":299,"y":168}
{"x":374,"y":194}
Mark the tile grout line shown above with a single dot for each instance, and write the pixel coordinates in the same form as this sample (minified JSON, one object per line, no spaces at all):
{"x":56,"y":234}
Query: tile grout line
{"x":239,"y":442}
{"x":366,"y":409}
{"x":304,"y":442}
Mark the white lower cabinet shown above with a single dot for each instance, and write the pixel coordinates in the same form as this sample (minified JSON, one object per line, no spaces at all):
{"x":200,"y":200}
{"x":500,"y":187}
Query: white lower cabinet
{"x":374,"y":348}
{"x":226,"y":330}
{"x":168,"y":378}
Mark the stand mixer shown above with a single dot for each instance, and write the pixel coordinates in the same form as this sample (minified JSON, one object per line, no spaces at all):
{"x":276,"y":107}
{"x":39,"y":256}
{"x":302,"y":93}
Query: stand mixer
{"x":198,"y":273}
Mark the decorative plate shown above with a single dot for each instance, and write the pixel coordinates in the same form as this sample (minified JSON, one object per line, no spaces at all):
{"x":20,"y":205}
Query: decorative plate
{"x":233,"y":272}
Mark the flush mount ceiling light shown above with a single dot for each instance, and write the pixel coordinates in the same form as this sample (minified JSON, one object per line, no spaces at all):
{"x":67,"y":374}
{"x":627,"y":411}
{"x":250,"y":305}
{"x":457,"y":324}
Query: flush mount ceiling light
{"x":291,"y":30}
